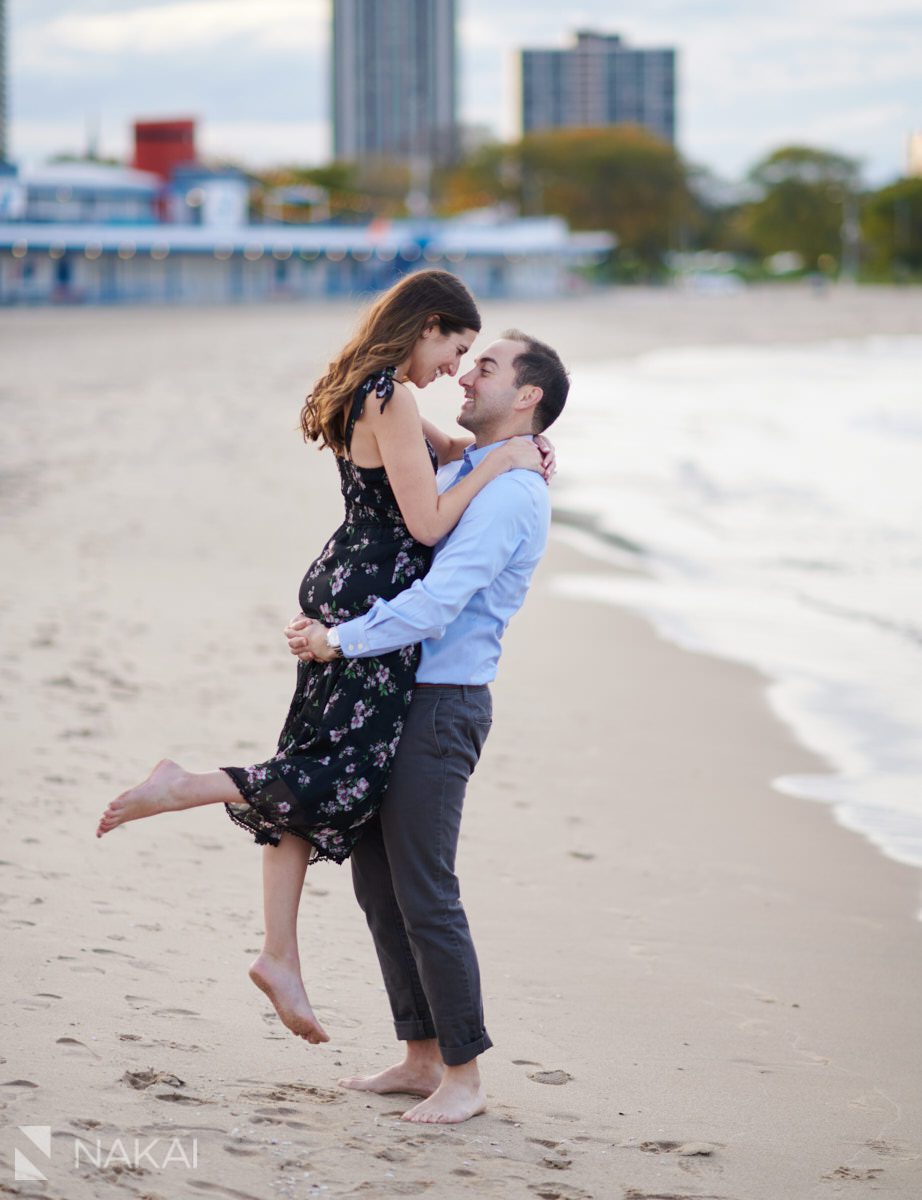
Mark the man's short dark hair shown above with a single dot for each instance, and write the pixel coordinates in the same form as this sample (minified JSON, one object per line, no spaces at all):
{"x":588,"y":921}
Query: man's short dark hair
{"x":540,"y":366}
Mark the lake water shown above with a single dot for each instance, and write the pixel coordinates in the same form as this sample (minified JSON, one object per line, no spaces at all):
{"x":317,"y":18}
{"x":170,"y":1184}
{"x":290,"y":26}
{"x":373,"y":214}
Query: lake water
{"x":769,"y":500}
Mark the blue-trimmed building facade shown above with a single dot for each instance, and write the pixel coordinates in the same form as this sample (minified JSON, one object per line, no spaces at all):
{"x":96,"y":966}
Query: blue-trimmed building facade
{"x":83,"y":233}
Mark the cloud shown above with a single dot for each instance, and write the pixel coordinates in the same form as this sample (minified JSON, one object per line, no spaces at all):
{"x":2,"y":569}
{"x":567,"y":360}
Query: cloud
{"x":269,"y":143}
{"x":152,"y":30}
{"x":844,"y":72}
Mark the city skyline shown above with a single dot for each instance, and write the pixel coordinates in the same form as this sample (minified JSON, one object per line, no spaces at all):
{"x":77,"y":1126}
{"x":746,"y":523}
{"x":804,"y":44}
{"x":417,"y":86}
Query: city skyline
{"x":843,"y":76}
{"x":386,"y":102}
{"x":597,"y":81}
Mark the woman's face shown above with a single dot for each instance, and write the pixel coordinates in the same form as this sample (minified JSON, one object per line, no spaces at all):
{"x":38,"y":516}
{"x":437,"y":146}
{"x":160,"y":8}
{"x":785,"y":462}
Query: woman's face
{"x":436,"y":354}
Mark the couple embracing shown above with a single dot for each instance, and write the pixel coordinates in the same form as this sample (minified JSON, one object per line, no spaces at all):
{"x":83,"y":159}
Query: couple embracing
{"x":397,"y":642}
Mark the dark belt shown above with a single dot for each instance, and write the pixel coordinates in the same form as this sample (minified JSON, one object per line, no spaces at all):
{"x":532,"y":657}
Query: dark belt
{"x":457,"y":686}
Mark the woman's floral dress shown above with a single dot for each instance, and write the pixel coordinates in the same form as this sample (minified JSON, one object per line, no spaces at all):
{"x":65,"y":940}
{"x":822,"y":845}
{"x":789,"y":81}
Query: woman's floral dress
{"x":335,"y":750}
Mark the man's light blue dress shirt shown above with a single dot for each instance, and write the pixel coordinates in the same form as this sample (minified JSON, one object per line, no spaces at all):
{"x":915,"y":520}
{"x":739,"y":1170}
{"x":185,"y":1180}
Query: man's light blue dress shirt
{"x":479,"y":576}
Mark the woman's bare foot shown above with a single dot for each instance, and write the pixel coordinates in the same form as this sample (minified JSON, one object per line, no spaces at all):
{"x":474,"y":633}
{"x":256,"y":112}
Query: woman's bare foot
{"x":458,"y":1097}
{"x":283,"y":985}
{"x":158,"y":793}
{"x":411,"y":1079}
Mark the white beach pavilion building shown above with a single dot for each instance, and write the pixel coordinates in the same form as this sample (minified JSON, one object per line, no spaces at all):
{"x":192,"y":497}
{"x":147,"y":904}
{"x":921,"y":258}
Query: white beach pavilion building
{"x":88,"y":233}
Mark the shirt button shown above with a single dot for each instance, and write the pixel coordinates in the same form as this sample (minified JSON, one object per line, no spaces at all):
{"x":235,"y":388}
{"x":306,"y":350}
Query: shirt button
{"x":361,"y":645}
{"x":351,"y":646}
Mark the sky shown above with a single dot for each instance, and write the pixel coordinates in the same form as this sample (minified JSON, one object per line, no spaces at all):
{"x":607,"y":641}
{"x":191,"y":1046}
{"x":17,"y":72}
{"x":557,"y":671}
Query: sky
{"x":844,"y":75}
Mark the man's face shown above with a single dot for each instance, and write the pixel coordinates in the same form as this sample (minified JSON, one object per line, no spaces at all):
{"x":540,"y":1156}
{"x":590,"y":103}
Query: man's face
{"x":489,"y":387}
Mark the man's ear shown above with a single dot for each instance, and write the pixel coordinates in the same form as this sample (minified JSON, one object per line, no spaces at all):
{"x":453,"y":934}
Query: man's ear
{"x":529,"y":398}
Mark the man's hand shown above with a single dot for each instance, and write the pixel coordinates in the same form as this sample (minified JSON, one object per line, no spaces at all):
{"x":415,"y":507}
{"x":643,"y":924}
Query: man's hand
{"x":317,"y":643}
{"x":548,"y":457}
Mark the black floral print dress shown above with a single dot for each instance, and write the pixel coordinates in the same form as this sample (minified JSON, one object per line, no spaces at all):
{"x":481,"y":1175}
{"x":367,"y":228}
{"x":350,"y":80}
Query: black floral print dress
{"x":336,"y":747}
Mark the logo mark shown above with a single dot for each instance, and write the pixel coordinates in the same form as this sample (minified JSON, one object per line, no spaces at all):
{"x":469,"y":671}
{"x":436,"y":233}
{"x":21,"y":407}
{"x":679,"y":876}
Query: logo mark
{"x":40,"y":1137}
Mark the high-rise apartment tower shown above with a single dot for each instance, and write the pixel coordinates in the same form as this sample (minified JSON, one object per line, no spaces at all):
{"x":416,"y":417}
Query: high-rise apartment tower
{"x":598,"y":82}
{"x":394,"y":79}
{"x":3,"y":144}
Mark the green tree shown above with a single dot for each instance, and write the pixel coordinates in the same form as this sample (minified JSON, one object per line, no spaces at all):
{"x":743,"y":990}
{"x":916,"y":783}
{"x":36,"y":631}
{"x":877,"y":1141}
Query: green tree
{"x":891,"y":224}
{"x":807,"y":201}
{"x":622,"y":179}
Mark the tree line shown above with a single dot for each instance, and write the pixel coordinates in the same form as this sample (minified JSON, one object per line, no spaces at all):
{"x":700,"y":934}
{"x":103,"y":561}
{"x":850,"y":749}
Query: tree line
{"x":801,"y":209}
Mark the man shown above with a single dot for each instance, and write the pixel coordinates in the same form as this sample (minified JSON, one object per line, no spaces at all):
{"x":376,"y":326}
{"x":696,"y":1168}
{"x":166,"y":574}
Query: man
{"x":403,"y":867}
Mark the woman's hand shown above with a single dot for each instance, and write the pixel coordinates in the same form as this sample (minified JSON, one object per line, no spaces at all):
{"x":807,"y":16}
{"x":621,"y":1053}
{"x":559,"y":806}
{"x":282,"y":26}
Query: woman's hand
{"x":296,"y":632}
{"x":548,"y":457}
{"x":520,"y":453}
{"x":307,"y":640}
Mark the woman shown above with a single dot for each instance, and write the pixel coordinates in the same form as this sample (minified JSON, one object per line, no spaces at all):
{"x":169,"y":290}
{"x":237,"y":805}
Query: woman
{"x":329,"y":773}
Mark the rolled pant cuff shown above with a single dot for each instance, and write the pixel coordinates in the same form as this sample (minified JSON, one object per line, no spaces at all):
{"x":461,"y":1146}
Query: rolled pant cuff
{"x":457,"y":1056}
{"x":414,"y":1031}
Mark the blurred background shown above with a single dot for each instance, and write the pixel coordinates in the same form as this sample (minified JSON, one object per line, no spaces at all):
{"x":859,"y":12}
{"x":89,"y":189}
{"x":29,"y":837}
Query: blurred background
{"x":215,"y":150}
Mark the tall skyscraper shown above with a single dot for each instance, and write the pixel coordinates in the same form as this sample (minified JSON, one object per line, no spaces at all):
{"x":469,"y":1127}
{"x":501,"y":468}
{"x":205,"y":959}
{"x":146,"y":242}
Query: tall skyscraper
{"x":598,"y":82}
{"x":394,"y":79}
{"x":3,"y":145}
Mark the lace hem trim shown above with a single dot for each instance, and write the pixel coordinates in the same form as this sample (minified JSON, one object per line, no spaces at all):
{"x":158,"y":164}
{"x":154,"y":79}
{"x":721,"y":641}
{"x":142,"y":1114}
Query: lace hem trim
{"x":272,"y":838}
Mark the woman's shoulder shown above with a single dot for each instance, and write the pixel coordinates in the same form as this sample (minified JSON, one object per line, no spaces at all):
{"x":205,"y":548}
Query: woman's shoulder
{"x":395,"y":398}
{"x":381,"y":382}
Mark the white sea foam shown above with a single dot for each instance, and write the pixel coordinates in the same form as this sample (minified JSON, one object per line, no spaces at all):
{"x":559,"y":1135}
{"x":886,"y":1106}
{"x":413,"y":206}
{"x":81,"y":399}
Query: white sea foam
{"x":774,"y":497}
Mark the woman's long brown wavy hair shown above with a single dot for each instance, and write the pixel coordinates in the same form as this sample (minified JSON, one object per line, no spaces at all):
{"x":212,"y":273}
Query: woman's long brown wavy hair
{"x":385,"y":338}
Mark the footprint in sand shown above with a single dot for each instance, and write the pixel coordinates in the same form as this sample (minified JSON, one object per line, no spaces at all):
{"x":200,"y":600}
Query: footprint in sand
{"x":553,"y":1077}
{"x":218,"y":1189}
{"x":85,"y":1123}
{"x":637,"y":1194}
{"x":683,"y":1149}
{"x":562,"y":1191}
{"x":143,"y":1080}
{"x":556,"y":1162}
{"x":863,"y":1175}
{"x":79,"y":1049}
{"x":178,"y":1098}
{"x":140,"y":1080}
{"x":891,"y":1149}
{"x":244,"y":1151}
{"x":292,"y":1092}
{"x":37,"y":1002}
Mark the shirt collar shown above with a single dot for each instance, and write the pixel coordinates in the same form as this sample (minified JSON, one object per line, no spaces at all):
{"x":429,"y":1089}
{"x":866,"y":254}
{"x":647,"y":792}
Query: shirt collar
{"x":476,"y":454}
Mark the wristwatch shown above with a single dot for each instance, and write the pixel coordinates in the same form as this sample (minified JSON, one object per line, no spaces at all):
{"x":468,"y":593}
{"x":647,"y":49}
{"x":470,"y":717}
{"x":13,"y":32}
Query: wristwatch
{"x":333,"y":641}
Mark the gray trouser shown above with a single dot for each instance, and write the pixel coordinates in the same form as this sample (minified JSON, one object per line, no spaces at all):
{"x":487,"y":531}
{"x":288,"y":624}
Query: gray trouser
{"x":403,"y":870}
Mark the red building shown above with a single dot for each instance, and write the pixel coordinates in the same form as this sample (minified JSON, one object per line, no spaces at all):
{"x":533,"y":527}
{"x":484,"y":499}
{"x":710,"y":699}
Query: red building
{"x":159,"y":146}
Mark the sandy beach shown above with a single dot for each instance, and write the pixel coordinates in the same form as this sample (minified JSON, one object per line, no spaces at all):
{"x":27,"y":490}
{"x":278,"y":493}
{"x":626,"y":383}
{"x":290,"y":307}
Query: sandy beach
{"x":698,"y":988}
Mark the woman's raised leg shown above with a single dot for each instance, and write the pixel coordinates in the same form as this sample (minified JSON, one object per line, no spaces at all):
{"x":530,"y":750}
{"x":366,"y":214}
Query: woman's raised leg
{"x":277,"y":970}
{"x":168,"y":788}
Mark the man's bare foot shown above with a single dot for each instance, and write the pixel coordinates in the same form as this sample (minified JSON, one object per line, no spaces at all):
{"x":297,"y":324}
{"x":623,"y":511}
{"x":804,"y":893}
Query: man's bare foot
{"x":458,"y":1097}
{"x":283,"y":985}
{"x":157,"y":794}
{"x":413,"y":1079}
